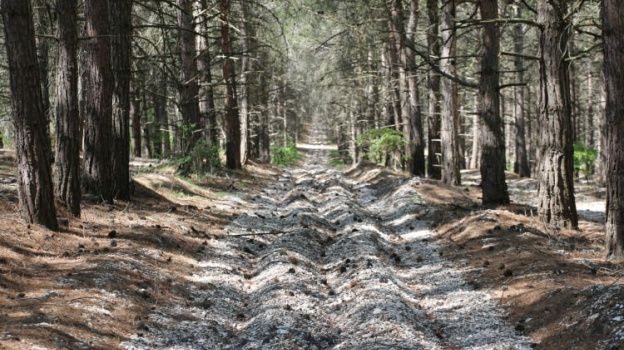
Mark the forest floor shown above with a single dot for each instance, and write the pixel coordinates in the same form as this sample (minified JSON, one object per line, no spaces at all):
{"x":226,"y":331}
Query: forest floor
{"x":307,"y":258}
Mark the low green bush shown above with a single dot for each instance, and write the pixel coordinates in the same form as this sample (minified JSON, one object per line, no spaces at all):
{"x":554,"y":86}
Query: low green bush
{"x":286,"y":155}
{"x":584,"y":158}
{"x":203,"y":158}
{"x":378,"y":144}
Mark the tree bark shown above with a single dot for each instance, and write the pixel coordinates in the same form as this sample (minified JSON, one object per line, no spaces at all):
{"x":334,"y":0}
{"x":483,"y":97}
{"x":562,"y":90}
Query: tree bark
{"x":247,"y":74}
{"x":68,"y":126}
{"x":207,"y":109}
{"x":232,"y":119}
{"x":43,"y":25}
{"x":97,"y":139}
{"x":450,"y":116}
{"x":613,"y":45}
{"x":556,"y":165}
{"x":475,"y":162}
{"x":188,"y":88}
{"x":163,"y":120}
{"x":417,"y":139}
{"x":589,"y":116}
{"x":157,"y":135}
{"x":135,"y":115}
{"x":521,"y":165}
{"x":604,"y":147}
{"x":492,"y":134}
{"x":434,"y":169}
{"x":145,"y":126}
{"x":121,"y":47}
{"x":36,"y":197}
{"x":398,"y":53}
{"x":264,"y":140}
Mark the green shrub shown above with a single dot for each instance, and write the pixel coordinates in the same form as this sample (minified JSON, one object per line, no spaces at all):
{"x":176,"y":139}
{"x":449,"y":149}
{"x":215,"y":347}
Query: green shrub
{"x":203,"y":158}
{"x":378,"y":144}
{"x":584,"y":158}
{"x":286,"y":155}
{"x":337,"y":160}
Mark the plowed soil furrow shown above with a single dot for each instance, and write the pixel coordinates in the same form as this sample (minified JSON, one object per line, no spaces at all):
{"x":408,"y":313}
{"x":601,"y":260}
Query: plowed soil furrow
{"x":322,"y":261}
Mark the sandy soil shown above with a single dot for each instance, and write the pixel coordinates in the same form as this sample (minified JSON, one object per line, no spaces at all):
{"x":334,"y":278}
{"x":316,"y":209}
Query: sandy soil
{"x":306,"y":258}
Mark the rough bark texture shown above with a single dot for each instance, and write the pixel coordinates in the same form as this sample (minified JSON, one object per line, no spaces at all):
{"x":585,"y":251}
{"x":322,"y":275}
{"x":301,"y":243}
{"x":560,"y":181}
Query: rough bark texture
{"x":96,"y":170}
{"x":556,"y":165}
{"x":161,"y":148}
{"x":36,"y":197}
{"x":613,"y":41}
{"x":589,"y":116}
{"x":492,"y":134}
{"x":417,"y":139}
{"x":395,"y":81}
{"x":43,"y":24}
{"x":474,"y":157}
{"x":398,"y":55}
{"x":521,"y":165}
{"x":450,"y":116}
{"x":188,"y":88}
{"x":135,"y":115}
{"x":207,"y":110}
{"x":232,"y":119}
{"x":68,"y":131}
{"x":247,"y":77}
{"x":145,"y":127}
{"x":163,"y":120}
{"x":602,"y":156}
{"x":434,"y":169}
{"x":264,"y":140}
{"x":121,"y":46}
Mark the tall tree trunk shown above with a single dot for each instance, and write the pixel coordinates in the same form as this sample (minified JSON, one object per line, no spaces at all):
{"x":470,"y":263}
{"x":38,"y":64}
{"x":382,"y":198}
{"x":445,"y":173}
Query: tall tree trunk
{"x":36,"y":197}
{"x":433,"y":119}
{"x":164,"y":122}
{"x":589,"y":116}
{"x":353,"y":149}
{"x":68,"y":130}
{"x":188,"y":88}
{"x":387,"y":114}
{"x":145,"y":126}
{"x":97,"y":139}
{"x":135,"y":115}
{"x":460,"y":124}
{"x":574,"y":115}
{"x":604,"y":147}
{"x":521,"y":165}
{"x":556,"y":168}
{"x":373,"y":91}
{"x":121,"y":46}
{"x":157,"y":135}
{"x":232,"y":118}
{"x":450,"y":116}
{"x":246,"y":79}
{"x":264,"y":140}
{"x":283,"y":110}
{"x":398,"y":54}
{"x":613,"y":41}
{"x":492,"y":133}
{"x":207,"y":109}
{"x":43,"y":23}
{"x":532,"y":127}
{"x":474,"y":158}
{"x":417,"y":139}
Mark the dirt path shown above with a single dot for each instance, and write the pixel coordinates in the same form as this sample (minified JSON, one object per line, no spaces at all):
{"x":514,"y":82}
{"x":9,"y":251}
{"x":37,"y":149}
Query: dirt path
{"x":321,"y":261}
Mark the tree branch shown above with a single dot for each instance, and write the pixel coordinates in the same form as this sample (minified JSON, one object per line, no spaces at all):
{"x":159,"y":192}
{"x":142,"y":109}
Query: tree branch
{"x":436,"y":68}
{"x":526,"y":57}
{"x":504,"y":21}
